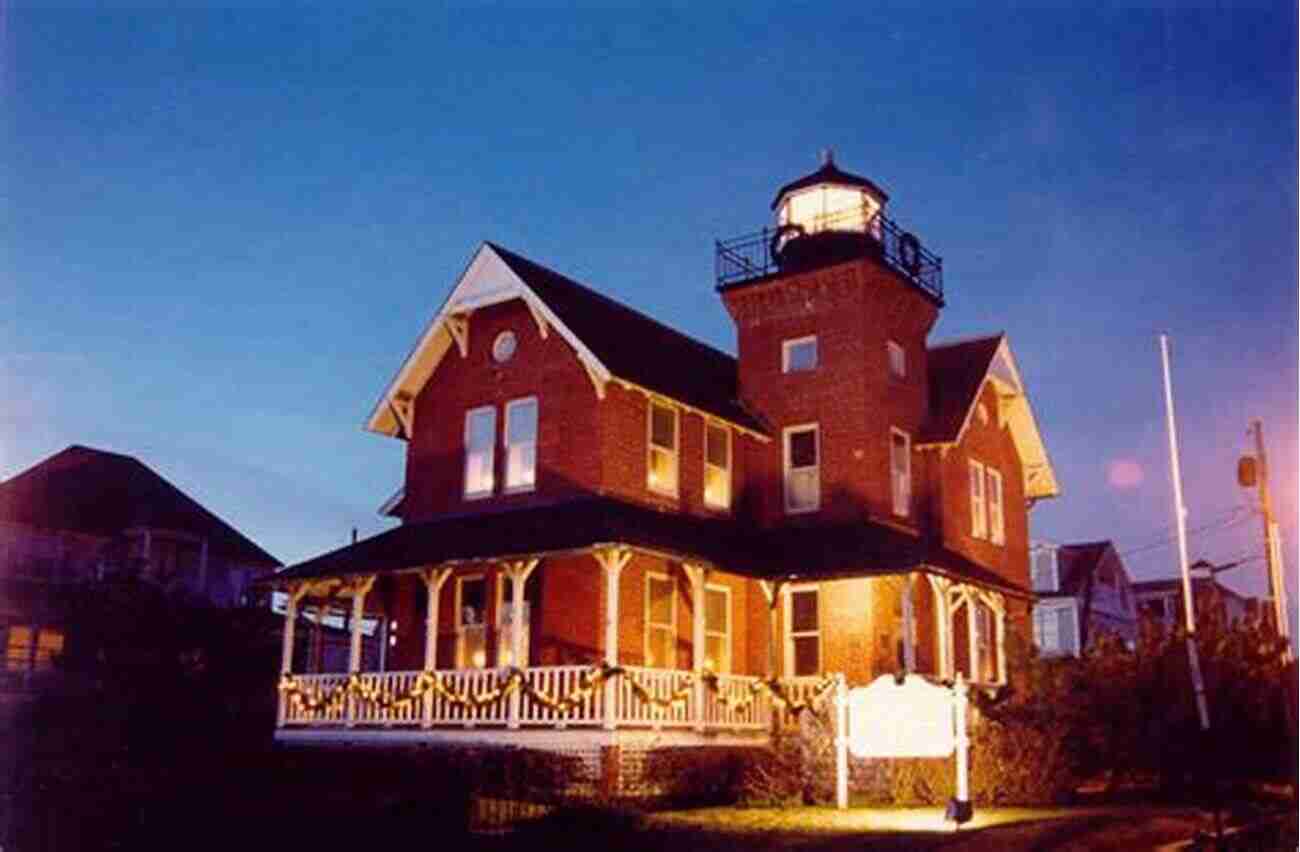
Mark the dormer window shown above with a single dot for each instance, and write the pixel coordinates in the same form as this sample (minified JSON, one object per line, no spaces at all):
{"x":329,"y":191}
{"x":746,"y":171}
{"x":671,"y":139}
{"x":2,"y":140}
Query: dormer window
{"x":799,"y":355}
{"x":661,"y":464}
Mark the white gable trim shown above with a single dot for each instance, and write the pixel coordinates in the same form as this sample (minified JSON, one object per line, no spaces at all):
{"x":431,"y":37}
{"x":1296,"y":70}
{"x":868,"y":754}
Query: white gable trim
{"x":1015,"y":412}
{"x":488,"y":280}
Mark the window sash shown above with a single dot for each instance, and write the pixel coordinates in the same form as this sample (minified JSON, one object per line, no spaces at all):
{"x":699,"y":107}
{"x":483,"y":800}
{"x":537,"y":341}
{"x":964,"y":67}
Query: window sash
{"x":803,"y":640}
{"x":799,"y":354}
{"x":480,"y":436}
{"x":717,"y":466}
{"x":900,"y":467}
{"x":521,"y":444}
{"x":661,"y":449}
{"x":717,"y":637}
{"x":979,"y":522}
{"x":660,"y":627}
{"x":997,"y":529}
{"x":802,"y":483}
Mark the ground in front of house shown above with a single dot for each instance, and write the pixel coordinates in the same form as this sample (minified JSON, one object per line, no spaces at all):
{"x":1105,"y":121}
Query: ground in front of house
{"x":826,"y":829}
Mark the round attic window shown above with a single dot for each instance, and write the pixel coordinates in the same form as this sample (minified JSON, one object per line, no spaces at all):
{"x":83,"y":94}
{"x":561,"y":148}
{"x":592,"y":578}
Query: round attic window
{"x":503,"y":348}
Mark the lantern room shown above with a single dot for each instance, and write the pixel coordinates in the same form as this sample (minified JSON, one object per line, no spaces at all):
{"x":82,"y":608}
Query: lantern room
{"x":828,"y":205}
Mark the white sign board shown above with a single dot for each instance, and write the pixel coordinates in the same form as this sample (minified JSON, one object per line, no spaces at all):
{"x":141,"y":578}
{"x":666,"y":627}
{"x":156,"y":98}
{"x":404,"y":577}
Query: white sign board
{"x":911,"y":719}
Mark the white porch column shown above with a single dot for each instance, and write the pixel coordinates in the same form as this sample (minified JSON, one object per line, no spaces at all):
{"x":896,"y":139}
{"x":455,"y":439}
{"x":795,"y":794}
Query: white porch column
{"x":612,"y":560}
{"x":943,"y":625}
{"x":286,"y":649}
{"x":434,"y":578}
{"x":518,"y":572}
{"x":972,"y":634}
{"x":909,"y":624}
{"x":696,"y":574}
{"x":359,"y":589}
{"x":771,"y":591}
{"x":999,"y":606}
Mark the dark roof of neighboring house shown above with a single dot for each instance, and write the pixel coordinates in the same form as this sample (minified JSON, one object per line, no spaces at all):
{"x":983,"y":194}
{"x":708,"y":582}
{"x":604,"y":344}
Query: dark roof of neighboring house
{"x":829,"y":173}
{"x":847,"y":550}
{"x":956,"y":373}
{"x":1176,"y":585}
{"x":1078,"y":562}
{"x":637,"y":348}
{"x":101,"y":493}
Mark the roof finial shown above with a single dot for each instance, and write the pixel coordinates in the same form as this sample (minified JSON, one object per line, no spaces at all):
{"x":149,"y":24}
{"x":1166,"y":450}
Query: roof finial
{"x":828,"y":156}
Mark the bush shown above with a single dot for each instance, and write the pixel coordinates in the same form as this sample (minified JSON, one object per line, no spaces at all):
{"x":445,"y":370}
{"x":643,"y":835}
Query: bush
{"x":797,"y":768}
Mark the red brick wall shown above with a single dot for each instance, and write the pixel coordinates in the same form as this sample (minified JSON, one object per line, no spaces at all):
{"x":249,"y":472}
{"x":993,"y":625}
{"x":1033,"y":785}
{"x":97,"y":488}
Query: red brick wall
{"x":853,"y":309}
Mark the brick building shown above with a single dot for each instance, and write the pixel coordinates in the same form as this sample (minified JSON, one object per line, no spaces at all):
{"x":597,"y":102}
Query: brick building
{"x":586,"y":486}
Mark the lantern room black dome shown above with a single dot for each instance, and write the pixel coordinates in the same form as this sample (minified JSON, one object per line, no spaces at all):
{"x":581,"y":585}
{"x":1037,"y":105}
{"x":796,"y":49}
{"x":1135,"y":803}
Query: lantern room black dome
{"x":830,"y":173}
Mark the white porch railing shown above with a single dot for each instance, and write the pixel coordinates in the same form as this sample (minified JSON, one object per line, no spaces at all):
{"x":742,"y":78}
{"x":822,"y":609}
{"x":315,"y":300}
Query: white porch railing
{"x":544,"y":696}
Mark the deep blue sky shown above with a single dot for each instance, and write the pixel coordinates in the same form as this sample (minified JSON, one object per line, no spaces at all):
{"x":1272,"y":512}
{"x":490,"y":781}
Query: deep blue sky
{"x":225,"y":227}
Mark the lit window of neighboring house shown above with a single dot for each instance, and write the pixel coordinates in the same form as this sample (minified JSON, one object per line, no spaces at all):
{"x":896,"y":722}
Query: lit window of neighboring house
{"x":660,"y":622}
{"x":802,"y":468}
{"x":717,"y":629}
{"x":1056,"y":628}
{"x":480,"y":435}
{"x":661,"y":466}
{"x":897,"y":360}
{"x":997,"y":528}
{"x":521,"y":444}
{"x":717,"y":466}
{"x":978,"y":519}
{"x":803,"y":644}
{"x":799,"y":355}
{"x":900,"y":471}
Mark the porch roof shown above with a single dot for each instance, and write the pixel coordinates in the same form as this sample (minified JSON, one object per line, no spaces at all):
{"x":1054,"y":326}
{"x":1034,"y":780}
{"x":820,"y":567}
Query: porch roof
{"x":584,"y":524}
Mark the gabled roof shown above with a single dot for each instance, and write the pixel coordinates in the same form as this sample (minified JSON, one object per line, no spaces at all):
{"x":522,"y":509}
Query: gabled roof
{"x":829,"y":173}
{"x":957,"y":373}
{"x":613,"y":342}
{"x":1077,"y":562}
{"x":95,"y":492}
{"x":858,"y":549}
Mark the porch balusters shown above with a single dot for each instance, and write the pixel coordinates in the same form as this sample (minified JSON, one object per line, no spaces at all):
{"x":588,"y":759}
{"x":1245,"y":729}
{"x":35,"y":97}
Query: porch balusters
{"x":613,"y":561}
{"x":696,"y":574}
{"x":359,"y":588}
{"x":434,"y":578}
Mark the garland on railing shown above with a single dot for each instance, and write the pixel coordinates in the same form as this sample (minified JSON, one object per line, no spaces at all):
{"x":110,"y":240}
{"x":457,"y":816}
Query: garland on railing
{"x":334,"y":699}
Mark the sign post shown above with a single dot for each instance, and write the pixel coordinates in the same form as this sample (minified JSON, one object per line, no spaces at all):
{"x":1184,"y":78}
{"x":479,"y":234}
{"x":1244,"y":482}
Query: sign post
{"x":841,"y":743}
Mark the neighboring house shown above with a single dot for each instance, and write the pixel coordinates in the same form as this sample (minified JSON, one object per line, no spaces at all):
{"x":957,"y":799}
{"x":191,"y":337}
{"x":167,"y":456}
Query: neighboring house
{"x":1083,"y":591}
{"x":1161,"y":601}
{"x":83,"y":515}
{"x":587,"y":486}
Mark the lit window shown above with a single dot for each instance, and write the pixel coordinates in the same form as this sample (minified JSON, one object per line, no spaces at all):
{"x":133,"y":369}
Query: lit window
{"x":506,"y":620}
{"x":804,"y":647}
{"x":661,"y":472}
{"x":997,"y":531}
{"x":799,"y":355}
{"x":521,"y":444}
{"x":471,"y":621}
{"x":900,"y":469}
{"x":480,"y":433}
{"x":802,"y":469}
{"x":986,"y":670}
{"x":897,"y":360}
{"x":660,"y":622}
{"x":717,"y":466}
{"x":717,"y":629}
{"x":978,"y":519}
{"x":27,"y":649}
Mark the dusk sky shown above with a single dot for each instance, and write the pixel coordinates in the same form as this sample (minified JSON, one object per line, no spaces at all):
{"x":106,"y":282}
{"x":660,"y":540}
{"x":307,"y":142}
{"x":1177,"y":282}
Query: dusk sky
{"x":225,"y":228}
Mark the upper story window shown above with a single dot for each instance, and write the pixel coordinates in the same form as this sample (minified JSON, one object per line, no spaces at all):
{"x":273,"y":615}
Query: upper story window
{"x":521,"y":444}
{"x":979,"y":527}
{"x":803,"y":645}
{"x":1043,"y":570}
{"x":997,"y":525}
{"x":660,"y":622}
{"x":799,"y":354}
{"x":661,"y":467}
{"x":897,"y":360}
{"x":802,"y":465}
{"x":717,"y":466}
{"x":900,"y":471}
{"x":717,"y":629}
{"x":480,"y":436}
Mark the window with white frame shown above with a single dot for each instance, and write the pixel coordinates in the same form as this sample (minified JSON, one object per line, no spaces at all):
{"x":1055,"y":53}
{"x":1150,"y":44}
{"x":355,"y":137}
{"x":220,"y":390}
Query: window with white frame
{"x":521,"y":444}
{"x":799,"y":354}
{"x":802,"y":462}
{"x":660,"y":622}
{"x":978,"y":519}
{"x":897,"y":360}
{"x":993,"y":488}
{"x":717,"y":466}
{"x":803,"y":643}
{"x":1043,"y":569}
{"x":661,"y":465}
{"x":900,"y":471}
{"x":506,"y":618}
{"x":717,"y":629}
{"x":986,"y":670}
{"x":471,"y":621}
{"x":1055,"y":628}
{"x":480,"y":435}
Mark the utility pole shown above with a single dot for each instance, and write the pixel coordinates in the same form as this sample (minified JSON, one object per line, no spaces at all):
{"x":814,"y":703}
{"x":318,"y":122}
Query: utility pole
{"x":1180,"y":518}
{"x":1272,"y":541}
